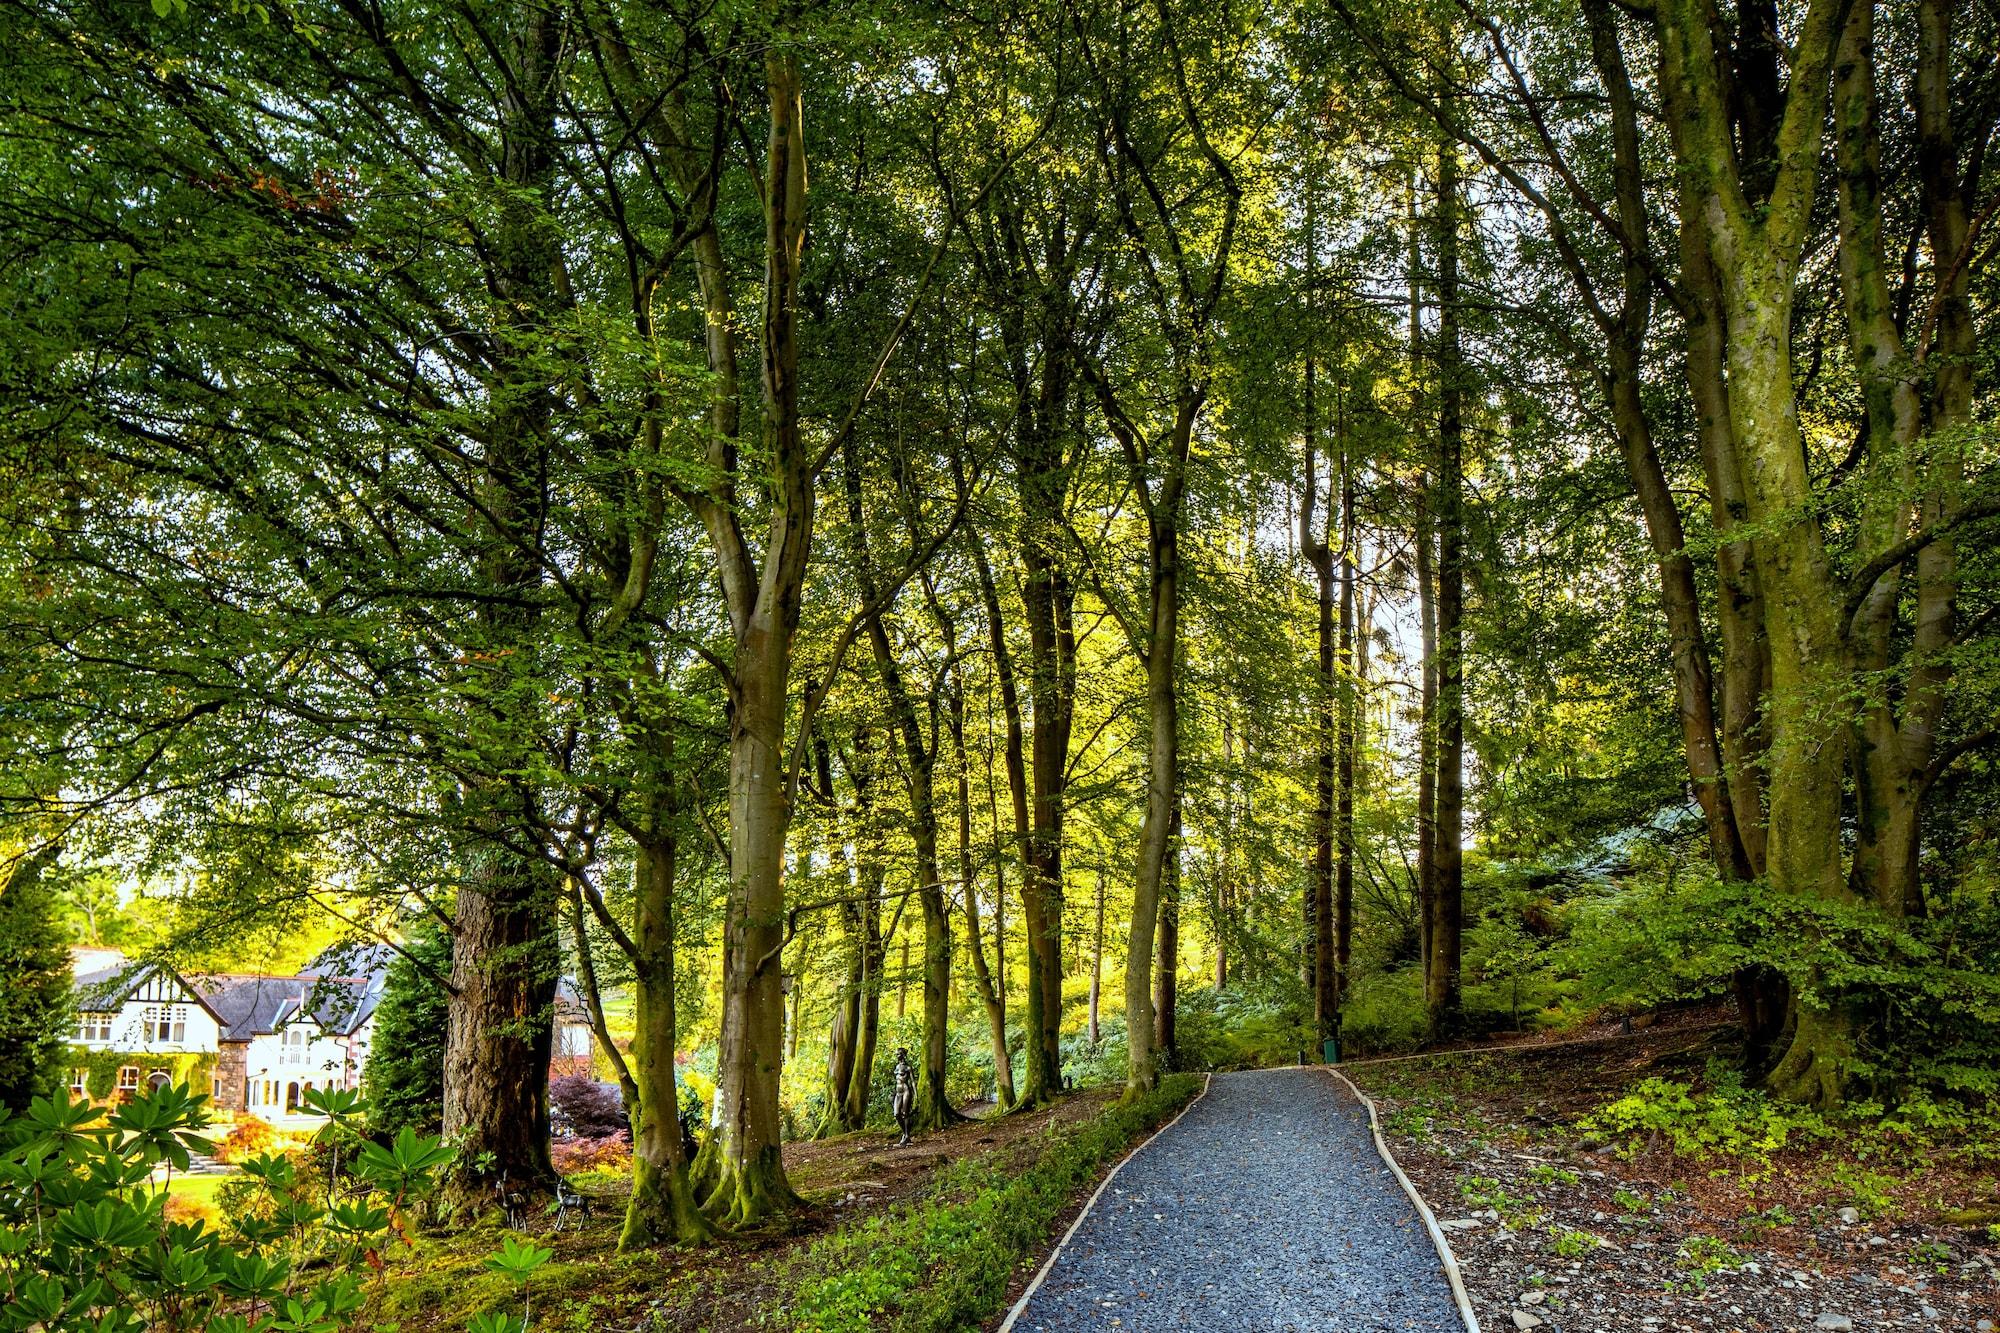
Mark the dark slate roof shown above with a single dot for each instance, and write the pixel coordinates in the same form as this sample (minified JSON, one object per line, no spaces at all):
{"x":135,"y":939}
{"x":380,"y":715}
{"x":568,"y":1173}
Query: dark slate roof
{"x":106,"y":988}
{"x":359,"y":959}
{"x":250,"y":1005}
{"x":343,"y":1004}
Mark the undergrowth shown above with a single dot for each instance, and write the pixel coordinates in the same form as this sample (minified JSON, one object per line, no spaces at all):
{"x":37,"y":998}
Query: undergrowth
{"x":1725,"y":1118}
{"x":945,"y":1262}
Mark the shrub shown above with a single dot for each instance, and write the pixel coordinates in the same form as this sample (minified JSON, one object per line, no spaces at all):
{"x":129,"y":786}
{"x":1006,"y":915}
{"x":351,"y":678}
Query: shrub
{"x":1091,"y":1065}
{"x":1236,"y":1029}
{"x":93,"y":1242}
{"x":1384,"y":1011}
{"x":1866,"y":1191}
{"x":1729,"y":1119}
{"x":595,"y":1110}
{"x":611,"y":1152}
{"x":246,"y":1138}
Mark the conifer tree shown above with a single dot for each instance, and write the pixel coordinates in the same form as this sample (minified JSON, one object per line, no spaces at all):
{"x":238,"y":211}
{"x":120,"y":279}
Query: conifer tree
{"x":35,"y":1004}
{"x":404,"y":1077}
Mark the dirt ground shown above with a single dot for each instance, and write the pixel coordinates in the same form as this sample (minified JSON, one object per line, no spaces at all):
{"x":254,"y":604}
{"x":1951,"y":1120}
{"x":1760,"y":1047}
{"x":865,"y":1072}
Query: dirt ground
{"x":1560,"y":1230}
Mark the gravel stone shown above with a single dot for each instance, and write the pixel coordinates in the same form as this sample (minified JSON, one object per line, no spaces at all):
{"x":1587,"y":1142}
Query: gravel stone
{"x":1265,"y":1207}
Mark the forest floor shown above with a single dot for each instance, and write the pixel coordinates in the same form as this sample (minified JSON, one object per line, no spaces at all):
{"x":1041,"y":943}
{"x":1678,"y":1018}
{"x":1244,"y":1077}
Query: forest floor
{"x":852,"y":1184}
{"x":1561,"y":1226}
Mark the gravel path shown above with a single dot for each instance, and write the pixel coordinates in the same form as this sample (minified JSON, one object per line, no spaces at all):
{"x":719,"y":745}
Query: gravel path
{"x":1265,"y":1207}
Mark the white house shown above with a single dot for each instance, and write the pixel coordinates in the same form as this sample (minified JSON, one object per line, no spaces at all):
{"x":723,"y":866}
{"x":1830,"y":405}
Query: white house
{"x":273,"y":1038}
{"x":147,"y":1013}
{"x":286,"y":1036}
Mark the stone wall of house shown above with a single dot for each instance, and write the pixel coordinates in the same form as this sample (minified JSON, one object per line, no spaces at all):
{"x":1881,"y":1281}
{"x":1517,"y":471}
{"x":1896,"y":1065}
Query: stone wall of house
{"x":232,"y":1068}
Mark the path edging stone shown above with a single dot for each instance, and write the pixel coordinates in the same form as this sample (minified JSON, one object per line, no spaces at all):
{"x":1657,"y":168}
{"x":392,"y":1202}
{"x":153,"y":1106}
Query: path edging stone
{"x":1443,"y":1246}
{"x":1007,"y":1325}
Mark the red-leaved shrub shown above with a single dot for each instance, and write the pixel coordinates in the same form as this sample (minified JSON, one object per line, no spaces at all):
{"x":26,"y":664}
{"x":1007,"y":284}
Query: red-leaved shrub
{"x":594,"y":1109}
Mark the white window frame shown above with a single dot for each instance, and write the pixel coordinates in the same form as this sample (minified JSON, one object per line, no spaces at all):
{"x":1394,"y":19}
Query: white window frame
{"x":166,"y":1024}
{"x":93,"y":1025}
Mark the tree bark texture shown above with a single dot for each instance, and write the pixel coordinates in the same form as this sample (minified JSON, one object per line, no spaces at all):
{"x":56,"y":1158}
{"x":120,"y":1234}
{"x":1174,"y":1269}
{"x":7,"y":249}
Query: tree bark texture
{"x":1443,"y":1001}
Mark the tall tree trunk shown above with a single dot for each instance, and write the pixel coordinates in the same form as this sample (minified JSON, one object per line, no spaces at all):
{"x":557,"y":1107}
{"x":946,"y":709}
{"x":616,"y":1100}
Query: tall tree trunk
{"x":873,"y":956}
{"x":1017,"y":781}
{"x":1225,"y":879}
{"x":1755,"y":248}
{"x":1166,"y":981}
{"x":1323,"y":961}
{"x":1894,"y":740}
{"x":1763,"y":996}
{"x":1951,"y":360}
{"x":662,"y":1206}
{"x":982,"y":975}
{"x":505,"y":954}
{"x":1426,"y":576}
{"x":749,"y":1175}
{"x":1625,"y":331}
{"x":1034,"y":286}
{"x":1165,"y":511}
{"x":750,"y":1183}
{"x":1097,"y":965}
{"x":1442,"y":998}
{"x":499,"y":1025}
{"x":1347,"y":700}
{"x":845,"y":1025}
{"x":903,"y":981}
{"x":1049,"y":599}
{"x":933,"y":1109}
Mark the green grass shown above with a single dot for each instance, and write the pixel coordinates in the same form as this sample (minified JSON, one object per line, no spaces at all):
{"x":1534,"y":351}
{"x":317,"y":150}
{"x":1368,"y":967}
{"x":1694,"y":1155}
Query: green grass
{"x":197,"y":1189}
{"x":944,"y":1264}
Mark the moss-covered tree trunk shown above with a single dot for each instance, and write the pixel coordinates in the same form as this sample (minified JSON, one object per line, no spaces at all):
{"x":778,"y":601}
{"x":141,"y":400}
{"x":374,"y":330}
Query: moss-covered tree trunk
{"x":990,"y":998}
{"x":1166,"y":970}
{"x":1755,"y":248}
{"x":1165,"y":514}
{"x":1909,"y":485}
{"x":748,"y":1175}
{"x":662,"y":1207}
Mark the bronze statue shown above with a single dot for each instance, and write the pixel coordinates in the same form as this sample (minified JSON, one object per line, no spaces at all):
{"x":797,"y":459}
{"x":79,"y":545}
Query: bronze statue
{"x":904,"y":1103}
